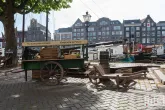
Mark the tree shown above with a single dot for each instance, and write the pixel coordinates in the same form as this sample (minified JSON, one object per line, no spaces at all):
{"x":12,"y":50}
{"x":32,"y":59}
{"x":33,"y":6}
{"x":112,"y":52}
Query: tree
{"x":10,"y":7}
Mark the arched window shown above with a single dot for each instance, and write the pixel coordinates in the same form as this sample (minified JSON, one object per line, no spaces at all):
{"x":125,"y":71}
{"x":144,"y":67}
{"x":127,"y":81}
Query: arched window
{"x":103,"y":23}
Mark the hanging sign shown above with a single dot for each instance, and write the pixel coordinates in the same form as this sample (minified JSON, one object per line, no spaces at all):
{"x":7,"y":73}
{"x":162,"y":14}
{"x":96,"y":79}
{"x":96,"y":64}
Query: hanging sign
{"x":51,"y":43}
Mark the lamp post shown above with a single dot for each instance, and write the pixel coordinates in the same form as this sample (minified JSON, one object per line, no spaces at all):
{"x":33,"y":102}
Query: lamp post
{"x":87,"y":18}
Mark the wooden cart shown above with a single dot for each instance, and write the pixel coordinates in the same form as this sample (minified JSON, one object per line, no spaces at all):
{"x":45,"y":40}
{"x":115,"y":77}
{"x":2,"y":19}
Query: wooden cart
{"x":125,"y":80}
{"x":52,"y":70}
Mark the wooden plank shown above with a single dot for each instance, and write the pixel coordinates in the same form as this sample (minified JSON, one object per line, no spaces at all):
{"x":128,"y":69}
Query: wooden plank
{"x":51,"y":43}
{"x":161,"y":77}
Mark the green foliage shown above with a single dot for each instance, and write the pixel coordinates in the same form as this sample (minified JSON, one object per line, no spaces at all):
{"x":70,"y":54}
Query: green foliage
{"x":36,"y":6}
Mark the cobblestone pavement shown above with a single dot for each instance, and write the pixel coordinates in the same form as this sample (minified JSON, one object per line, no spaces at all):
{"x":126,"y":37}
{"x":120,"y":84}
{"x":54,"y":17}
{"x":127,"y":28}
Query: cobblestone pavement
{"x":77,"y":94}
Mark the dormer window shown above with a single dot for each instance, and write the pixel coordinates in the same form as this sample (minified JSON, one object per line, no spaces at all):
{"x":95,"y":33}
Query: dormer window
{"x":103,"y":23}
{"x":78,"y":24}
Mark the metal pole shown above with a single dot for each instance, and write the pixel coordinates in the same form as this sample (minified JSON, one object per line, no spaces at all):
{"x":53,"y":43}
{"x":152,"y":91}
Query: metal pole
{"x":87,"y":40}
{"x":23,"y":28}
{"x":133,"y":46}
{"x":47,"y":26}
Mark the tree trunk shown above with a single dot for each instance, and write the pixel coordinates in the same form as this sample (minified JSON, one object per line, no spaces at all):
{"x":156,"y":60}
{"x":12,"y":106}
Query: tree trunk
{"x":8,"y":22}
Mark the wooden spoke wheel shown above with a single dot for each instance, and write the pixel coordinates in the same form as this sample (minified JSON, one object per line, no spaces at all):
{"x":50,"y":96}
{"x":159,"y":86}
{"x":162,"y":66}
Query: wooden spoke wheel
{"x":51,"y":73}
{"x":128,"y":83}
{"x":93,"y":78}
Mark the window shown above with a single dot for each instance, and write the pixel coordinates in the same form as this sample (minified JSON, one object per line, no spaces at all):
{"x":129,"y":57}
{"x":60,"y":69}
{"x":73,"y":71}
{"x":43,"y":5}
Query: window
{"x":121,"y":32}
{"x":127,"y":34}
{"x":103,"y":33}
{"x":158,"y":40}
{"x":127,"y":29}
{"x":148,"y":40}
{"x":107,"y":28}
{"x":91,"y":29}
{"x":78,"y":24}
{"x":74,"y":30}
{"x":113,"y":32}
{"x":148,"y":28}
{"x":144,"y":24}
{"x":148,"y":33}
{"x":163,"y":33}
{"x":117,"y":28}
{"x":148,"y":25}
{"x":158,"y":33}
{"x":158,"y":28}
{"x":137,"y":28}
{"x":143,"y":29}
{"x":82,"y":34}
{"x":143,"y":40}
{"x":103,"y":23}
{"x":152,"y":24}
{"x":90,"y":33}
{"x":152,"y":40}
{"x":78,"y":30}
{"x":17,"y":40}
{"x":153,"y":33}
{"x":82,"y":30}
{"x":138,"y":40}
{"x":94,"y":33}
{"x":143,"y":34}
{"x":103,"y":28}
{"x":78,"y":34}
{"x":153,"y":28}
{"x":117,"y":32}
{"x":74,"y":34}
{"x":137,"y":34}
{"x":99,"y":33}
{"x":163,"y":28}
{"x":107,"y":33}
{"x":132,"y":29}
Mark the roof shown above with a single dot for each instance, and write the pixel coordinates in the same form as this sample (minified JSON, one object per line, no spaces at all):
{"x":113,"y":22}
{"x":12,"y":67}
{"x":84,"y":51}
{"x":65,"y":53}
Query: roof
{"x":116,"y":21}
{"x":161,"y":23}
{"x":69,"y":29}
{"x":104,"y":18}
{"x":92,"y":23}
{"x":135,"y":21}
{"x":143,"y":20}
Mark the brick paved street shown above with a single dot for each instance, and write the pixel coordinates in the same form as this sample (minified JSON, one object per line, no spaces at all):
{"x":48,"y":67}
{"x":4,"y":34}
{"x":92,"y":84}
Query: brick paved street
{"x":76,"y":94}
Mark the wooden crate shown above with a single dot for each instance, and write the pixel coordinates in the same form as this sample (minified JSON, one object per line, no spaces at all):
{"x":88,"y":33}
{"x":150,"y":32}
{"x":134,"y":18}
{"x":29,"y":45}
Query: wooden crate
{"x":35,"y":74}
{"x":70,"y":56}
{"x":49,"y":53}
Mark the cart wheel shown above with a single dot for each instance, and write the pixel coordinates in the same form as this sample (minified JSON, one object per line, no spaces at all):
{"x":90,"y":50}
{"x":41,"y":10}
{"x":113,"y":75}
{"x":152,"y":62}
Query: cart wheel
{"x":51,"y":73}
{"x":94,"y":81}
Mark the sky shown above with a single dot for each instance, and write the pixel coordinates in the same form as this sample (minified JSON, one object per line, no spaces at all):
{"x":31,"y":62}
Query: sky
{"x":113,"y":9}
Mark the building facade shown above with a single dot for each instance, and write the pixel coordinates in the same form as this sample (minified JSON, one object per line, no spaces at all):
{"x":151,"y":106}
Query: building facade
{"x":100,"y":31}
{"x":132,"y":30}
{"x":161,"y":31}
{"x":19,"y":38}
{"x":148,"y":31}
{"x":63,"y":34}
{"x":145,"y":31}
{"x":37,"y":32}
{"x":141,"y":31}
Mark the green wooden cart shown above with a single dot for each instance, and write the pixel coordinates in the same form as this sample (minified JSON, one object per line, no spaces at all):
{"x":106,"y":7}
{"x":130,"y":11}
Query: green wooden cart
{"x":52,"y":70}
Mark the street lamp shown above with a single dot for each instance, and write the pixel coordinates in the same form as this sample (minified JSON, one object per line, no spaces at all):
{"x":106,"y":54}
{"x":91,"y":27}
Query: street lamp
{"x":87,"y":18}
